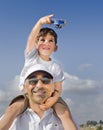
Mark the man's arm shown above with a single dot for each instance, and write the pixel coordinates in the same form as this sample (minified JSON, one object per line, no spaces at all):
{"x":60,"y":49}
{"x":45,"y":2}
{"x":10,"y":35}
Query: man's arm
{"x":65,"y":116}
{"x":11,"y":113}
{"x":31,"y":43}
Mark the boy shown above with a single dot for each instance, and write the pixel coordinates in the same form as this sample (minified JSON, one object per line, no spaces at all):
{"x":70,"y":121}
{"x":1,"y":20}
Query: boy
{"x":42,"y":42}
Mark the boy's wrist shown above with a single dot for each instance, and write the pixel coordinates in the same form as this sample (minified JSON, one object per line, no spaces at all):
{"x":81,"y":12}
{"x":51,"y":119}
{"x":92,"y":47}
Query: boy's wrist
{"x":40,"y":22}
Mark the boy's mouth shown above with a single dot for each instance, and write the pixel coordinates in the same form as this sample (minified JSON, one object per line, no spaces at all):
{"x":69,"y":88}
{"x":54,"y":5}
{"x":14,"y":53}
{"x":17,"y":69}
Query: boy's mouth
{"x":46,"y":48}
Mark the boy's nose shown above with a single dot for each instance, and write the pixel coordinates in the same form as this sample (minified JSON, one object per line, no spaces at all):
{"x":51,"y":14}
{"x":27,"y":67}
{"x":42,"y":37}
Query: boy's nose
{"x":46,"y":42}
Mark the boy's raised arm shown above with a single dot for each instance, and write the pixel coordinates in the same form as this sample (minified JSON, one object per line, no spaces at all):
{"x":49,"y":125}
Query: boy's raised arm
{"x":31,"y":42}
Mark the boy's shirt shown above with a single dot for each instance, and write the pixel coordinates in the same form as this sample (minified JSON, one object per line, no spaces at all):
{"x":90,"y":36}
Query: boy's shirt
{"x":32,"y":58}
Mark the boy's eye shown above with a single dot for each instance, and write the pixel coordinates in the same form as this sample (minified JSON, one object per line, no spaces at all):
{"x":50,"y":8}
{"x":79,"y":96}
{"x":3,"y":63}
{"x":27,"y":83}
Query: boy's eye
{"x":51,"y":41}
{"x":42,"y":40}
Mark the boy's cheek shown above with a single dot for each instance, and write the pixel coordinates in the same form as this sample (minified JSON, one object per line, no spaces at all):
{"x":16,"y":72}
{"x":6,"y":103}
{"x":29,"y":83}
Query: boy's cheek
{"x":36,"y":46}
{"x":39,"y":46}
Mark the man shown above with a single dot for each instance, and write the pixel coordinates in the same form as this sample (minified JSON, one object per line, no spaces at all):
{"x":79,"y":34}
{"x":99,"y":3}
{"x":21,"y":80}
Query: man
{"x":38,"y":87}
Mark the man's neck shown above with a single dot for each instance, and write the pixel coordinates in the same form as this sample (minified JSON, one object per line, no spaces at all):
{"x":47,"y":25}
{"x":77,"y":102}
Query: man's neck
{"x":36,"y":109}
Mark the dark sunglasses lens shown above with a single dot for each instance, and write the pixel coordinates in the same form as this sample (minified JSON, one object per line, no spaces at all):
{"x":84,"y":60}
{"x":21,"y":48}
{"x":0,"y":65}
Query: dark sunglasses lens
{"x":43,"y":80}
{"x":46,"y":80}
{"x":33,"y":81}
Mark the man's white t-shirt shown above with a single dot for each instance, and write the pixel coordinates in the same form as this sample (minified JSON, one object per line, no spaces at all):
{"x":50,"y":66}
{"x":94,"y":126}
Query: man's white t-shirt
{"x":29,"y":120}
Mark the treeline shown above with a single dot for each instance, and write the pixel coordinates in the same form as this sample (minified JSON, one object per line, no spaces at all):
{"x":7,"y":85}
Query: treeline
{"x":92,"y":123}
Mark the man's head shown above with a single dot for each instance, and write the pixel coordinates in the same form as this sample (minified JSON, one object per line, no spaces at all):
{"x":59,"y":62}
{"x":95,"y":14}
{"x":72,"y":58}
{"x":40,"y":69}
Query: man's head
{"x":38,"y":84}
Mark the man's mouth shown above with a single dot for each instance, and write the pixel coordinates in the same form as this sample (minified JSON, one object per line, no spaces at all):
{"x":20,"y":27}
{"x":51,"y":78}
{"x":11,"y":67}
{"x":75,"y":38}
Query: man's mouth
{"x":39,"y":92}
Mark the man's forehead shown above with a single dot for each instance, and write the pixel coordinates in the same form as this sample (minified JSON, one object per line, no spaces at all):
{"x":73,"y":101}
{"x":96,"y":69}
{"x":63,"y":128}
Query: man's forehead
{"x":39,"y":73}
{"x":42,"y":73}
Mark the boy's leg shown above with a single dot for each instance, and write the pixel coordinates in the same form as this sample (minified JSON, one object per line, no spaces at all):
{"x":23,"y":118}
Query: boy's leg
{"x":23,"y":99}
{"x":17,"y":106}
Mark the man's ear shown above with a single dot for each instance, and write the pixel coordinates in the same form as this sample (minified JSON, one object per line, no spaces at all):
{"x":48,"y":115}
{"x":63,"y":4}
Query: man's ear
{"x":56,"y":48}
{"x":24,"y":88}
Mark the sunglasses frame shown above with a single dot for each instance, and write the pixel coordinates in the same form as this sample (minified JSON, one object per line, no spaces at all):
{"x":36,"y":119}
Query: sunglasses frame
{"x":44,"y":80}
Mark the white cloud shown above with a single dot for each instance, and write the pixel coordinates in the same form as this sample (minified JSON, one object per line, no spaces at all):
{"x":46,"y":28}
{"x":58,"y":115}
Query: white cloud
{"x":84,"y":97}
{"x":7,"y":92}
{"x":13,"y":85}
{"x":2,"y":95}
{"x":75,"y":84}
{"x":83,"y":67}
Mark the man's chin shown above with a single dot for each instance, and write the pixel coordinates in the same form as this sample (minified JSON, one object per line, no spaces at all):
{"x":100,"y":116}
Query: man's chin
{"x":39,"y":100}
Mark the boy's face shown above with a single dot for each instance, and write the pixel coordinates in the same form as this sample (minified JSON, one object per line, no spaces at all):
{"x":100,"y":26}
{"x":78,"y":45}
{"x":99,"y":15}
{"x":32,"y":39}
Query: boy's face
{"x":46,"y":45}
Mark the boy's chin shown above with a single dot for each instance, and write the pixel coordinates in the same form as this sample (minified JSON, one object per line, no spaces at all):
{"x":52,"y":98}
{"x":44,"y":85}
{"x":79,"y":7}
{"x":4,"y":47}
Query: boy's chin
{"x":45,"y":54}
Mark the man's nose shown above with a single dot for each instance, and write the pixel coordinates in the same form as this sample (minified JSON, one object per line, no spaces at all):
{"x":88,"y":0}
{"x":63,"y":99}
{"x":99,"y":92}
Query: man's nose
{"x":39,"y":84}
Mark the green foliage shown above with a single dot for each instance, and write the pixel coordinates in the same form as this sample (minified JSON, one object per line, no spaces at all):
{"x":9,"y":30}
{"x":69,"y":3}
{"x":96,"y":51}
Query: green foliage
{"x":99,"y":128}
{"x":101,"y":122}
{"x":94,"y":123}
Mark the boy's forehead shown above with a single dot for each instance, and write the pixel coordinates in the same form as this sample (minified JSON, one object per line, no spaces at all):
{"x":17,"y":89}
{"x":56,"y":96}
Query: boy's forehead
{"x":45,"y":35}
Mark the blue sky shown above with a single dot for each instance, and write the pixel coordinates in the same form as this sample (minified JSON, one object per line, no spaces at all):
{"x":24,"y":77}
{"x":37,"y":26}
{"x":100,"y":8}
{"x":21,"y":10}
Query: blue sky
{"x":80,"y":50}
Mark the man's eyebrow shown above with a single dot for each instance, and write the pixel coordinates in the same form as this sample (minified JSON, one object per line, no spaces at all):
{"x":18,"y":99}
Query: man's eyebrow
{"x":32,"y":76}
{"x":47,"y":76}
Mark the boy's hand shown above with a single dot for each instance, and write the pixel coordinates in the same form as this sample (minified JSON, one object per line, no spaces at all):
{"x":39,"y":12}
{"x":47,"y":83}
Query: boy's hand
{"x":49,"y":103}
{"x":46,"y":19}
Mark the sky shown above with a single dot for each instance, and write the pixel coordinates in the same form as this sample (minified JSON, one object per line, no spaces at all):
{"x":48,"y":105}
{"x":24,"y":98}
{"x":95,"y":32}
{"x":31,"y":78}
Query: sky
{"x":80,"y":50}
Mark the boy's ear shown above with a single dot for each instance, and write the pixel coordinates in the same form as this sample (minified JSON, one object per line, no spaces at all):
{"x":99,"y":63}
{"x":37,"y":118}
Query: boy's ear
{"x":56,"y":48}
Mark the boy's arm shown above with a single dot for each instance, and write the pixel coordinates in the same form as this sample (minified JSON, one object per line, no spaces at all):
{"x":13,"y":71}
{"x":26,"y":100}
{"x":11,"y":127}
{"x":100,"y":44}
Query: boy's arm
{"x":54,"y":98}
{"x":58,"y":89}
{"x":31,"y":43}
{"x":17,"y":106}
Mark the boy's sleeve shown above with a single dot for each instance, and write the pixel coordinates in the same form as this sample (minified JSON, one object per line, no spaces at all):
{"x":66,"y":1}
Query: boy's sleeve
{"x":29,"y":57}
{"x":59,"y":74}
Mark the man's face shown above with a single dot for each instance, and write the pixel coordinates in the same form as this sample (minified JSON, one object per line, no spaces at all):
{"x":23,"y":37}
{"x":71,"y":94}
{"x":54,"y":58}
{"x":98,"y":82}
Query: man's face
{"x":39,"y":87}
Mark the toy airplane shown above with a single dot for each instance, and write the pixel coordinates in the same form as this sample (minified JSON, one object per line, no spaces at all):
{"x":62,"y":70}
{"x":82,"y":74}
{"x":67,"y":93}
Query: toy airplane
{"x":59,"y":23}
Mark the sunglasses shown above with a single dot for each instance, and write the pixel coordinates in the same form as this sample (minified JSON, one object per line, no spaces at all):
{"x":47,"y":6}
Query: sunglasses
{"x":44,"y":80}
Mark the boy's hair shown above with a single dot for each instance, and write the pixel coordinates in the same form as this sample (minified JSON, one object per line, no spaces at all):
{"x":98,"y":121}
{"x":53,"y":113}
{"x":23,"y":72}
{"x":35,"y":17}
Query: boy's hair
{"x":45,"y":31}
